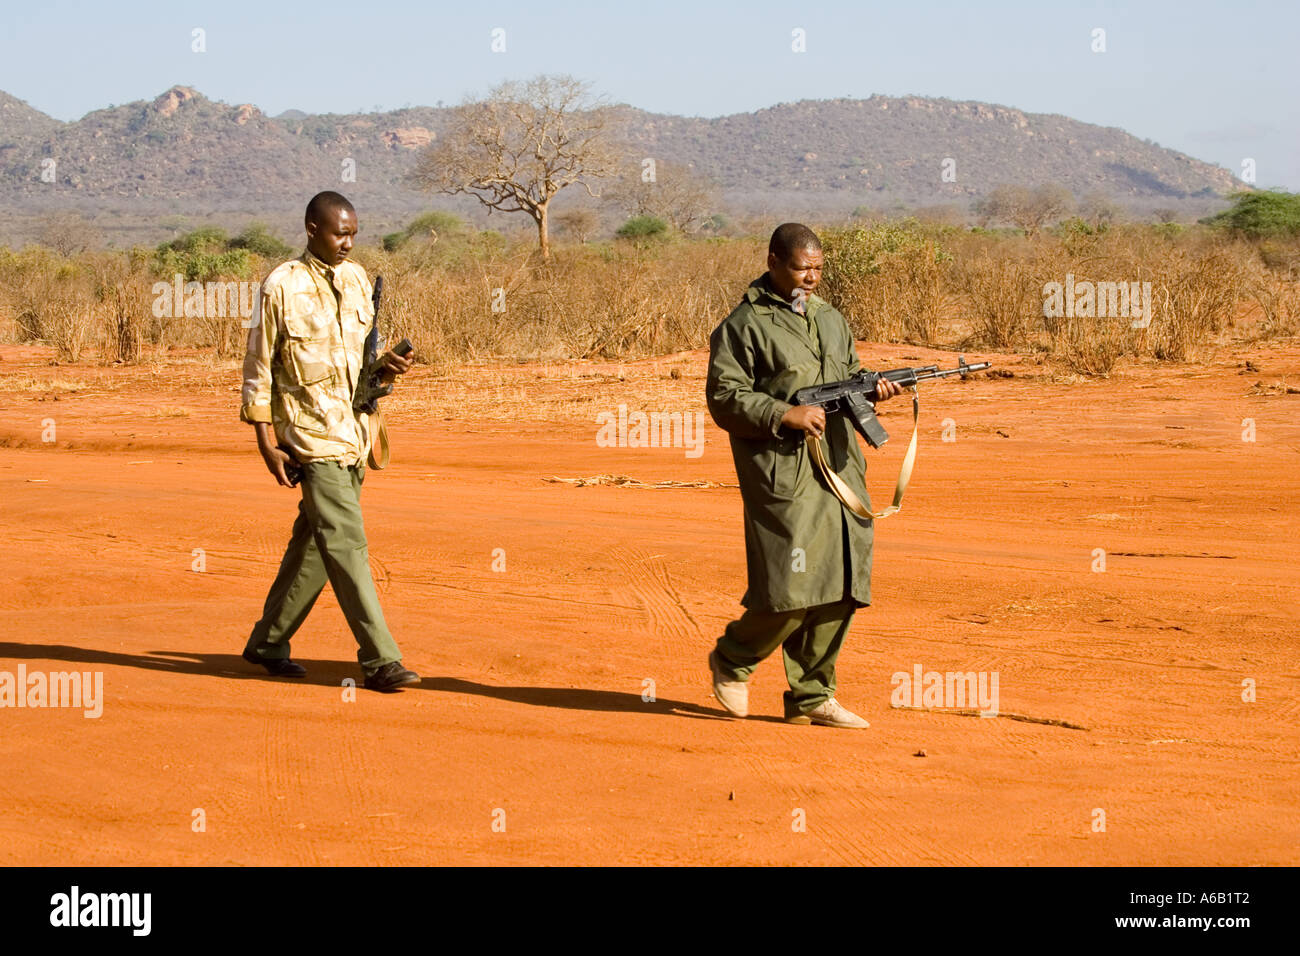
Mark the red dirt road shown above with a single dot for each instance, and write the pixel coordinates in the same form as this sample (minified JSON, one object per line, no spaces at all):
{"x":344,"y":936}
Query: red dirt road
{"x":531,"y":711}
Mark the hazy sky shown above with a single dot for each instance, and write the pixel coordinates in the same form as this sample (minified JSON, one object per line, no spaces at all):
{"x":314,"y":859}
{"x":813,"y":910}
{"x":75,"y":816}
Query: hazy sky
{"x":1216,"y":80}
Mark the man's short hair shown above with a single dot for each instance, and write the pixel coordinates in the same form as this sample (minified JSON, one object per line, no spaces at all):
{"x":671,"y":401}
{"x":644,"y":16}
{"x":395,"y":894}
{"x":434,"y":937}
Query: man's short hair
{"x":327,"y":201}
{"x":792,"y":237}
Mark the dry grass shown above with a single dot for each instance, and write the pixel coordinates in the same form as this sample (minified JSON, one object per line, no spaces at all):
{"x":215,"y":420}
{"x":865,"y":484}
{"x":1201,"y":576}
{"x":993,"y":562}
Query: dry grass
{"x":480,"y":299}
{"x":30,"y":383}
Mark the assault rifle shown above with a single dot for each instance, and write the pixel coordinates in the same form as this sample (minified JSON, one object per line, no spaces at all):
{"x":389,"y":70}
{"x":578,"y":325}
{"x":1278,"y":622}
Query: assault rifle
{"x":370,"y":384}
{"x":854,"y":396}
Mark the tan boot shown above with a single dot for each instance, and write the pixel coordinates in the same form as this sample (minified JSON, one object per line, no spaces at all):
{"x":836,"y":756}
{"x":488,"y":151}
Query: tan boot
{"x":733,"y":695}
{"x":830,"y":713}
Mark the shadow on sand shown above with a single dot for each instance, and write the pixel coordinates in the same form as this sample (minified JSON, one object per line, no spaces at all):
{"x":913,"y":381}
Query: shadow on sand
{"x":332,"y":673}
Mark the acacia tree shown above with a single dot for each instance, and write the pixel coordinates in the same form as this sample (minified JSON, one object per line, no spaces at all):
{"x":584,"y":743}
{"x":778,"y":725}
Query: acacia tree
{"x":581,"y":223}
{"x":1030,"y":209}
{"x":674,"y":193}
{"x":518,"y":147}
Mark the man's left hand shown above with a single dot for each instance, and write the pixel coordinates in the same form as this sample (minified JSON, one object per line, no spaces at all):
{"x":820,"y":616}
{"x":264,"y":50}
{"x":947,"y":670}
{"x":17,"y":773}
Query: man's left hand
{"x":395,"y":365}
{"x":887,"y":389}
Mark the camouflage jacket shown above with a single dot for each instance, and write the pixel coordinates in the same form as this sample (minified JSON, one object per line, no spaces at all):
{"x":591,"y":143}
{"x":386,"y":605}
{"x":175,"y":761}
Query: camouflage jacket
{"x":305,"y":350}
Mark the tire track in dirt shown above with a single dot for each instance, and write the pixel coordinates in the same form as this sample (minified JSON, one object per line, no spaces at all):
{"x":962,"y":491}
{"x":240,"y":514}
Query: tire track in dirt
{"x":379,"y":571}
{"x":899,"y":846}
{"x":651,"y":582}
{"x":378,"y":834}
{"x":283,"y":792}
{"x":1287,"y":708}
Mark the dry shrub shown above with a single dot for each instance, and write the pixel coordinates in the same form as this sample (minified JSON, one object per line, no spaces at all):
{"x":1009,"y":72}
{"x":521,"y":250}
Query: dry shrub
{"x":1279,"y":301}
{"x":1004,"y":296}
{"x":889,"y":280}
{"x":66,"y":320}
{"x":1087,"y":345}
{"x":122,"y":288}
{"x":1195,"y":297}
{"x":608,"y":300}
{"x":50,"y":299}
{"x":616,"y":300}
{"x":1281,"y":256}
{"x":1196,"y":283}
{"x":1273,"y":283}
{"x":1091,"y":346}
{"x":924,"y":298}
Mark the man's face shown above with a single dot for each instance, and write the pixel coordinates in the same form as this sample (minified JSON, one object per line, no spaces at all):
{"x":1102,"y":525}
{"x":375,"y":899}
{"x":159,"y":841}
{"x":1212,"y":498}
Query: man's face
{"x":330,"y":239}
{"x":803,"y":271}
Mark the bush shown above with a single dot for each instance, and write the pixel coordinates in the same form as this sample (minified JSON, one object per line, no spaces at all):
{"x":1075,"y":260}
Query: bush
{"x":642,"y":227}
{"x":1262,"y":214}
{"x":1004,"y":294}
{"x":259,"y":240}
{"x":888,"y":280}
{"x":897,"y":281}
{"x":204,"y":240}
{"x":432,"y":226}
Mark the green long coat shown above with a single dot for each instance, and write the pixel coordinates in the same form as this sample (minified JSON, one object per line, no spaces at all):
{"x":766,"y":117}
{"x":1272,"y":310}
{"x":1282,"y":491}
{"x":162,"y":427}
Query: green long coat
{"x":803,"y":547}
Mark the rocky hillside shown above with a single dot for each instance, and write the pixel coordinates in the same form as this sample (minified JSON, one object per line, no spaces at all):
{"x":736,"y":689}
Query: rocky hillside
{"x":184,"y":154}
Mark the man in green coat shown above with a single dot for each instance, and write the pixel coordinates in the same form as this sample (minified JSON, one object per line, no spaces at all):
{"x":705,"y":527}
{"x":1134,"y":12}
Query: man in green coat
{"x":809,"y":558}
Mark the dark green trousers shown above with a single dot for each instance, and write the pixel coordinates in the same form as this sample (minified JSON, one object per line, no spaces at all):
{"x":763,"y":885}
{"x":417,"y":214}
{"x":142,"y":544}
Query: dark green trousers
{"x":810,"y":640}
{"x":328,"y":544}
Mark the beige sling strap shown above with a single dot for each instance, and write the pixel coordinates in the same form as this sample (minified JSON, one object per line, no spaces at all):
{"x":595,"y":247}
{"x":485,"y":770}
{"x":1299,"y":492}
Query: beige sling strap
{"x":845,"y":493}
{"x":378,"y":429}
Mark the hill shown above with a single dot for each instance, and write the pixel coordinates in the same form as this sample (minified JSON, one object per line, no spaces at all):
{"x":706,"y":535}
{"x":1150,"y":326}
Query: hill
{"x":184,"y":155}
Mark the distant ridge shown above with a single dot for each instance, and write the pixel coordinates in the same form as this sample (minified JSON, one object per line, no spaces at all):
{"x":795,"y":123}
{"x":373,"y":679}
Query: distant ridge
{"x":184,"y":152}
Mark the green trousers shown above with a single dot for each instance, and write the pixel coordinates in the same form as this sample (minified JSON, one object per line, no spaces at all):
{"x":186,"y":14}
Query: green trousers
{"x":810,"y":640}
{"x":328,"y":544}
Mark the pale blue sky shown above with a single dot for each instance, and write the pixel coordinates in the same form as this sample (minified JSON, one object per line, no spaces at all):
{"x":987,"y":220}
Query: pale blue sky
{"x":1216,"y":80}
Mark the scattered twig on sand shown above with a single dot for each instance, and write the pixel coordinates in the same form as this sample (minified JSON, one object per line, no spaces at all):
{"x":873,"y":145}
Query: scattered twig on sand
{"x":972,"y":712}
{"x":1274,"y":388}
{"x":623,"y":481}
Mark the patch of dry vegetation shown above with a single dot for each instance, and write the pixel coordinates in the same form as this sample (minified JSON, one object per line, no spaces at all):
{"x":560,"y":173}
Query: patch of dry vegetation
{"x":477,"y":297}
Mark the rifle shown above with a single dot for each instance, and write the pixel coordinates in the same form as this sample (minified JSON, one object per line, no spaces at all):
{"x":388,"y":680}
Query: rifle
{"x":853,"y":396}
{"x":370,"y":385}
{"x":850,"y":397}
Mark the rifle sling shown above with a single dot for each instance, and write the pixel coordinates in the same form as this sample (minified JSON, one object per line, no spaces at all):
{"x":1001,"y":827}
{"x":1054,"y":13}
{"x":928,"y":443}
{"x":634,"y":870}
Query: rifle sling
{"x":377,"y":428}
{"x":846,"y":494}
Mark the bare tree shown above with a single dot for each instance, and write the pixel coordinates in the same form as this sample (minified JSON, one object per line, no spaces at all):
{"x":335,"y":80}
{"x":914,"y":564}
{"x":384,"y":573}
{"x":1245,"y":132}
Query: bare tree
{"x":516,"y":149}
{"x":68,"y":233}
{"x":581,"y":223}
{"x":1030,"y":209}
{"x":1099,"y":210}
{"x":664,"y":189}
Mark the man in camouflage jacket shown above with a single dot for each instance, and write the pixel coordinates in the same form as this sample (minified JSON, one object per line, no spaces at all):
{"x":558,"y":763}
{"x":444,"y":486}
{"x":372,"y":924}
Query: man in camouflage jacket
{"x":305,"y":352}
